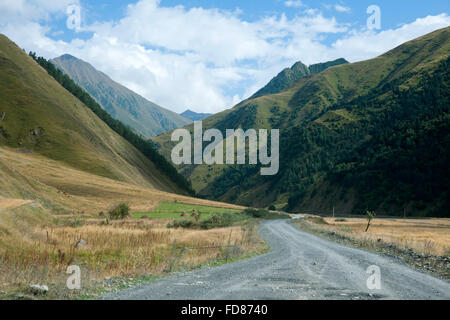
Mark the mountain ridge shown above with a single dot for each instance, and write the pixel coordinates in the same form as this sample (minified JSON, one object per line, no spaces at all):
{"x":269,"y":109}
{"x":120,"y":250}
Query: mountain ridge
{"x":289,"y":76}
{"x":143,"y":116}
{"x":324,"y":121}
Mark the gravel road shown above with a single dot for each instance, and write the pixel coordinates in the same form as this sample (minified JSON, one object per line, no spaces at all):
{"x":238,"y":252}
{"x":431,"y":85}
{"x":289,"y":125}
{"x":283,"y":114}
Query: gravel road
{"x":299,"y":266}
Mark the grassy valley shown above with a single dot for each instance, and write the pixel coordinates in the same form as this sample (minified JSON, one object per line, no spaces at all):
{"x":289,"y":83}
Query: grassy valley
{"x":80,"y":187}
{"x":64,"y":165}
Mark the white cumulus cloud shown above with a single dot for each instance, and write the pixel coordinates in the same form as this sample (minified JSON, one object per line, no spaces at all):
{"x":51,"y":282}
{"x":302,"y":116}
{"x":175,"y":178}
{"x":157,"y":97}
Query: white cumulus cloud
{"x":294,"y":3}
{"x":340,"y":8}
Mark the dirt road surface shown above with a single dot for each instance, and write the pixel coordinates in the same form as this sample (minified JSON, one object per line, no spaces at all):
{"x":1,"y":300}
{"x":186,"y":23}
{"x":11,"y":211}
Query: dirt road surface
{"x":298,"y":266}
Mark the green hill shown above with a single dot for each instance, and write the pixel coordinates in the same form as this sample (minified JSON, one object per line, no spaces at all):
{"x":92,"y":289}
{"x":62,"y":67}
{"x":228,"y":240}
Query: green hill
{"x":367,"y":135}
{"x":38,"y":115}
{"x":145,"y":117}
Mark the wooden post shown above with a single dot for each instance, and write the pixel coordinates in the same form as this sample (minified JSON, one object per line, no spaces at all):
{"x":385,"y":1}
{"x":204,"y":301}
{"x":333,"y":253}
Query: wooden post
{"x":333,"y":211}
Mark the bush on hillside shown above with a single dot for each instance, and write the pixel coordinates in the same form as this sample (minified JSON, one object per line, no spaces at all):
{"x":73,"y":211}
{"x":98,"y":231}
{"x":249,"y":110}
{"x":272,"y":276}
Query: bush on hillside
{"x":121,"y":211}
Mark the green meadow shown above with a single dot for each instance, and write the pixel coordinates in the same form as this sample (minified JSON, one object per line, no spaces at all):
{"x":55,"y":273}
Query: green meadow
{"x":174,"y":210}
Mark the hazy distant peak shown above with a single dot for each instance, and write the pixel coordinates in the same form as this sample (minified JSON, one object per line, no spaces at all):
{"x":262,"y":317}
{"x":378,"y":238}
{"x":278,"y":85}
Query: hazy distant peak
{"x":143,"y":116}
{"x":68,"y":56}
{"x":195,"y":116}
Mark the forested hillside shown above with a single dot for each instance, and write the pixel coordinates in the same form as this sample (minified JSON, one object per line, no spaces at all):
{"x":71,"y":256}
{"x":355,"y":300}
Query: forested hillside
{"x":369,"y":135}
{"x":395,"y":159}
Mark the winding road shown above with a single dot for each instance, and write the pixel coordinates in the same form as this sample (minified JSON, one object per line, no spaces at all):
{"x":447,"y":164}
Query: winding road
{"x":298,"y":266}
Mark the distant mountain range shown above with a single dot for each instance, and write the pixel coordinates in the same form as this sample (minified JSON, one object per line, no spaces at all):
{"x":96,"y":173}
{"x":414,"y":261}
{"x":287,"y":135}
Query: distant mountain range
{"x":145,"y":117}
{"x":194,"y":116}
{"x":371,"y":135}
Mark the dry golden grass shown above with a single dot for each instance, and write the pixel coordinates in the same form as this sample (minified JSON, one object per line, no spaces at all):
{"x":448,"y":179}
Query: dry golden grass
{"x":429,"y":236}
{"x":46,"y":207}
{"x":6,"y":203}
{"x":68,"y":190}
{"x":128,"y":248}
{"x":119,"y":250}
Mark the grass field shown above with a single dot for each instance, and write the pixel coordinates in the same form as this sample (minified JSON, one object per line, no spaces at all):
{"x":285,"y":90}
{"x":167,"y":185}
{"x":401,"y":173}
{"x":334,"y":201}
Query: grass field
{"x":37,"y":248}
{"x":46,"y":207}
{"x":174,"y":210}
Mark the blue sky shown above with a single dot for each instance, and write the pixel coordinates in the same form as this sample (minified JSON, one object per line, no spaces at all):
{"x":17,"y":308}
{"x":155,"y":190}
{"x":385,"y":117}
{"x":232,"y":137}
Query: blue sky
{"x":394,"y":13}
{"x":208,"y":55}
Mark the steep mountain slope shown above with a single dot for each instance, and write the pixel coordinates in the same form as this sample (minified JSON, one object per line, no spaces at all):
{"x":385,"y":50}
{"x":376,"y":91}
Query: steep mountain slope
{"x":145,"y":117}
{"x":194,"y":116}
{"x":33,"y":180}
{"x":37,"y":115}
{"x":289,"y":76}
{"x":366,"y":135}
